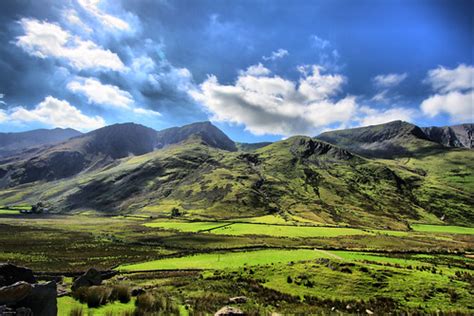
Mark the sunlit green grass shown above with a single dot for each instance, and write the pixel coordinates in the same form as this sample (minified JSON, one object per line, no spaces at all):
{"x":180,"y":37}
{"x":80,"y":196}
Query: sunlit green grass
{"x":67,"y":303}
{"x":227,"y":260}
{"x":443,"y":229}
{"x":238,"y":229}
{"x":9,"y":212}
{"x":287,"y":231}
{"x":185,"y":226}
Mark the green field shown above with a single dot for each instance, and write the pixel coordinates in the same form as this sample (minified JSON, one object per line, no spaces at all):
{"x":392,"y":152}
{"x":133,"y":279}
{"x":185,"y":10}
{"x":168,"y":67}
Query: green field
{"x":193,"y":227}
{"x":227,"y":260}
{"x":287,"y":231}
{"x":239,"y":229}
{"x":67,"y":303}
{"x":9,"y":212}
{"x":443,"y":229}
{"x":231,"y":260}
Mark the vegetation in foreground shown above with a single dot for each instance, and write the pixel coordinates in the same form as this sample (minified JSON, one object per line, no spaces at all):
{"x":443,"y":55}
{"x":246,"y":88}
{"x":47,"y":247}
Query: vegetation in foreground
{"x":194,"y":271}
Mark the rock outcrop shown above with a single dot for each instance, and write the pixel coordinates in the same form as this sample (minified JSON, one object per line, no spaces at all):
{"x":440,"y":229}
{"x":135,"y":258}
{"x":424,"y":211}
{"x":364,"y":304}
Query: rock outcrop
{"x":89,"y":278}
{"x":20,"y":294}
{"x":10,"y":274}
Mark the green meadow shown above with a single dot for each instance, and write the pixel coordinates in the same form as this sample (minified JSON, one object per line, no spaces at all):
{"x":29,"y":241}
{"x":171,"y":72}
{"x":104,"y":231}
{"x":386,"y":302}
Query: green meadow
{"x":239,"y":229}
{"x":443,"y":229}
{"x":228,"y":260}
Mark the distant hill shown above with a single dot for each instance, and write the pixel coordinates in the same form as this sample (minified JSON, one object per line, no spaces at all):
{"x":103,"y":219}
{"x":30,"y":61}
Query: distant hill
{"x":210,"y":134}
{"x":389,"y":140}
{"x":11,"y":143}
{"x":452,"y":136}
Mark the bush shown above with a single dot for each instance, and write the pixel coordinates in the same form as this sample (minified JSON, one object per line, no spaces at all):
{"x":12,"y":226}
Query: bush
{"x":121,"y":293}
{"x":93,"y":296}
{"x":145,"y":302}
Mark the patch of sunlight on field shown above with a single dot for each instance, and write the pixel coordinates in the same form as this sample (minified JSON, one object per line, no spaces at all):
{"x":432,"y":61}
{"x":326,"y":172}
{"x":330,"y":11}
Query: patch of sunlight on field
{"x":66,"y":304}
{"x":287,"y":231}
{"x":185,"y":226}
{"x":9,"y":212}
{"x":265,"y":219}
{"x":227,"y":260}
{"x":443,"y":229}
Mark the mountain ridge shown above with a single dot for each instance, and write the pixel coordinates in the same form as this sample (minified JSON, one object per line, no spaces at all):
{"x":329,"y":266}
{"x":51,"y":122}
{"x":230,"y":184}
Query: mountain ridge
{"x":299,"y":176}
{"x":13,"y":143}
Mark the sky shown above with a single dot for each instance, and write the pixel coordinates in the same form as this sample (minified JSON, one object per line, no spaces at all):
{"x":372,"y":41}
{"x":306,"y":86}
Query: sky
{"x":259,"y":70}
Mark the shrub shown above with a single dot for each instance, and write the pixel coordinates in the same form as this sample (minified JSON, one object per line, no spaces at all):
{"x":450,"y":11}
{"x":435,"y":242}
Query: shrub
{"x":93,"y":296}
{"x":121,"y":293}
{"x":145,"y":302}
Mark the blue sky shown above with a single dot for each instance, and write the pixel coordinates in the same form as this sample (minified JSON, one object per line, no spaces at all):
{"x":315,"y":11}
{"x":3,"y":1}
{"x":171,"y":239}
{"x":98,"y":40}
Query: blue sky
{"x":260,"y":70}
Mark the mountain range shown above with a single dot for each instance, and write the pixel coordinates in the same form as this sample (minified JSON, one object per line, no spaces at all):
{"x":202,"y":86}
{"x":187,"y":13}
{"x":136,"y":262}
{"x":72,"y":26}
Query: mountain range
{"x":377,"y":176}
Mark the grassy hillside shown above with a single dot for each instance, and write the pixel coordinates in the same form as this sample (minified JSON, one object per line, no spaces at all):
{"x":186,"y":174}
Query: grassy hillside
{"x":298,"y":177}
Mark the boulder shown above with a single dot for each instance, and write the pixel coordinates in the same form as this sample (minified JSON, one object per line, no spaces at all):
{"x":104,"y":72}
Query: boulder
{"x":10,"y":274}
{"x":41,"y":300}
{"x":229,"y":311}
{"x":14,"y":293}
{"x":238,"y":300}
{"x":91,"y":277}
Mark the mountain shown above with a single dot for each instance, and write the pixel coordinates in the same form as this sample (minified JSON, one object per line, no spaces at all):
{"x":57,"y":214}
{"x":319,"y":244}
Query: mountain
{"x":12,"y":143}
{"x":297,"y":177}
{"x":209,"y":134}
{"x":102,"y":147}
{"x":389,"y":140}
{"x":452,"y":136}
{"x":88,"y":151}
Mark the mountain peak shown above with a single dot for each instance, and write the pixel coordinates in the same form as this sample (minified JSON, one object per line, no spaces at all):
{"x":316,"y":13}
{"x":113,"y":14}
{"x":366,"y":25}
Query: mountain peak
{"x":208,"y":132}
{"x":382,"y":140}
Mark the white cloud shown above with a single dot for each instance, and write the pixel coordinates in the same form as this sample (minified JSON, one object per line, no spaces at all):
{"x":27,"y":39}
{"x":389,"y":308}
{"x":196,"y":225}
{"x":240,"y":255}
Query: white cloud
{"x":44,"y":39}
{"x":3,"y":116}
{"x":102,"y":94}
{"x":316,"y":86}
{"x":92,"y":6}
{"x":142,"y":111}
{"x":381,"y":96}
{"x":389,"y":80}
{"x":73,"y":18}
{"x":256,"y":70}
{"x":327,"y":54}
{"x":454,"y":93}
{"x":274,"y":105}
{"x":320,"y":43}
{"x":371,"y":116}
{"x":458,"y":105}
{"x":56,"y":113}
{"x":280,"y":53}
{"x":445,"y":80}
